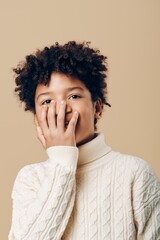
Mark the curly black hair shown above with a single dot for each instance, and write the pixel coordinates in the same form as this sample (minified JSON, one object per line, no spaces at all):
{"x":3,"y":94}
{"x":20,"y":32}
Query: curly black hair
{"x":74,"y":59}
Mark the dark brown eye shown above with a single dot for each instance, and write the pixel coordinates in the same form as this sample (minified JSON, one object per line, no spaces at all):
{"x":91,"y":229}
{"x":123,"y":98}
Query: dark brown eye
{"x":46,"y":102}
{"x":74,"y":96}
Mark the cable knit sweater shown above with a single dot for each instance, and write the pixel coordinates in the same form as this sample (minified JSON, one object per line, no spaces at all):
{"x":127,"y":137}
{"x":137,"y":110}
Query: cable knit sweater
{"x":86,"y":193}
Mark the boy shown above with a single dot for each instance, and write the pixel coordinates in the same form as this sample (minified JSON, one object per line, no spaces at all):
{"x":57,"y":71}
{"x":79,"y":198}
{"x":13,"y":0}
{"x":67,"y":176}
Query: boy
{"x":85,"y":190}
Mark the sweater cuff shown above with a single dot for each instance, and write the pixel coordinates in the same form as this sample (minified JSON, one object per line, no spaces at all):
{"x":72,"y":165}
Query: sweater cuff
{"x":64,"y":155}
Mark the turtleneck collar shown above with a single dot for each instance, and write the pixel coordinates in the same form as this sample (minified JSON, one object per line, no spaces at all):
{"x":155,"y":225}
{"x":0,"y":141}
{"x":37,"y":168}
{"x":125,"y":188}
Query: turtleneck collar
{"x":93,"y":150}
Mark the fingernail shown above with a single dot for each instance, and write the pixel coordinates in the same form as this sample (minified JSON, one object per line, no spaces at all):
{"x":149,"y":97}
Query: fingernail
{"x":53,"y":102}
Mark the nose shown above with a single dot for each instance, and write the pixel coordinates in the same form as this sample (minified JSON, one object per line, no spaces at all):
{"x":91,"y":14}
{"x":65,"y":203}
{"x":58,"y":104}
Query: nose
{"x":68,"y":107}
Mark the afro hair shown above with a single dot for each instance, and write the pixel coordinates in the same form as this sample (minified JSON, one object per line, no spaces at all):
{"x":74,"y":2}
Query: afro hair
{"x":74,"y":59}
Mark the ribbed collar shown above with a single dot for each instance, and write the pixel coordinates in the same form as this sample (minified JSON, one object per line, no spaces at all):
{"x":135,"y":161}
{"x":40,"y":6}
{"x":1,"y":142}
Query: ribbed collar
{"x":93,"y":150}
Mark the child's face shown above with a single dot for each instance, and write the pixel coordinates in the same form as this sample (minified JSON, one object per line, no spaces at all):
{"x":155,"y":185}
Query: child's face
{"x":77,"y":97}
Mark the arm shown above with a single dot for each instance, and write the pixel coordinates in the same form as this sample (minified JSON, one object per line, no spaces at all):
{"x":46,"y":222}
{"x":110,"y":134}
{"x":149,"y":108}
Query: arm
{"x":43,"y":196}
{"x":146,"y":203}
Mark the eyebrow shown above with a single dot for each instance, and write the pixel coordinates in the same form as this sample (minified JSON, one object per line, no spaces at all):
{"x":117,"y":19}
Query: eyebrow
{"x":66,"y":90}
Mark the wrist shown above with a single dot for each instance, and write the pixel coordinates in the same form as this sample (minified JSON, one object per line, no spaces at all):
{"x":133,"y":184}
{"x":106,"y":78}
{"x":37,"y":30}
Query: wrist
{"x":63,"y":155}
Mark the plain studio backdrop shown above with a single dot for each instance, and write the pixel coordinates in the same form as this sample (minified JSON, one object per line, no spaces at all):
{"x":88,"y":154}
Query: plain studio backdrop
{"x":127,"y":31}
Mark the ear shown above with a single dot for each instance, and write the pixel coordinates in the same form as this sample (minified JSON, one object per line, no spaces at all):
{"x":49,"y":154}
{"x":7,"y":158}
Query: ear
{"x":98,"y":106}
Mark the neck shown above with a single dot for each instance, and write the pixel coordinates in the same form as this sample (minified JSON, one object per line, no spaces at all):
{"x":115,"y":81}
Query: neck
{"x":93,"y":149}
{"x":86,"y":140}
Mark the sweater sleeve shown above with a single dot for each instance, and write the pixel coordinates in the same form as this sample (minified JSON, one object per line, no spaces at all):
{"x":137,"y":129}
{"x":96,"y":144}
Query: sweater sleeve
{"x":146,"y":203}
{"x":43,"y":196}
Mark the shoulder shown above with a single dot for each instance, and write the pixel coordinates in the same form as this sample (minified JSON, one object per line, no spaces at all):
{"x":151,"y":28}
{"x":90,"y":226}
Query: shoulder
{"x":34,"y":170}
{"x":140,"y":177}
{"x":136,"y":167}
{"x":132,"y":162}
{"x":30,"y":177}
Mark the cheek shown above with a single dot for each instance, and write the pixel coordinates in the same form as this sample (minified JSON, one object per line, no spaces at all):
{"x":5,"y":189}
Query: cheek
{"x":86,"y":116}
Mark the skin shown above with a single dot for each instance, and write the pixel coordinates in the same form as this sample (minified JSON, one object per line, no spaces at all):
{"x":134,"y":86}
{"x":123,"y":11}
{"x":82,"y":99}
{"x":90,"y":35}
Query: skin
{"x":65,"y":112}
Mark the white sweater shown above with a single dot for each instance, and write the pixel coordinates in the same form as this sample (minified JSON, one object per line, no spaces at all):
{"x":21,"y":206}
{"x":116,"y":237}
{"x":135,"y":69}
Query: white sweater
{"x":106,"y":196}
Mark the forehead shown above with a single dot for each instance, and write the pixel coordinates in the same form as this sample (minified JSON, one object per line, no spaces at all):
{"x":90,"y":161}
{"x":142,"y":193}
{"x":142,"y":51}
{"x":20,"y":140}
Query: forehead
{"x":61,"y":83}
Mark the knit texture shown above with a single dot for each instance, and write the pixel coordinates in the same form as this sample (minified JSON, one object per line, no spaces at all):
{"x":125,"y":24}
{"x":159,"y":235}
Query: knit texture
{"x":107,"y":195}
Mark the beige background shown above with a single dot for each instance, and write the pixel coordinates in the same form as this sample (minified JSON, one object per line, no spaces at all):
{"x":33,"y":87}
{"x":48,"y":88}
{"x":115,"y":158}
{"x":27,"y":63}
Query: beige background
{"x":127,"y":31}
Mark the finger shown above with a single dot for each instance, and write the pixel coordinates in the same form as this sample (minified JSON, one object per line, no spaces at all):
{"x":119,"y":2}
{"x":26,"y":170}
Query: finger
{"x":52,"y":115}
{"x":73,"y":122}
{"x":36,"y":121}
{"x":39,"y":132}
{"x":42,"y":120}
{"x":61,"y":116}
{"x":41,"y":136}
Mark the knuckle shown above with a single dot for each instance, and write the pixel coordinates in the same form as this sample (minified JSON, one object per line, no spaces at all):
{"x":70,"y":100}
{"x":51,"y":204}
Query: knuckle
{"x":72,"y":123}
{"x":60,"y":118}
{"x":41,"y":119}
{"x":45,"y":134}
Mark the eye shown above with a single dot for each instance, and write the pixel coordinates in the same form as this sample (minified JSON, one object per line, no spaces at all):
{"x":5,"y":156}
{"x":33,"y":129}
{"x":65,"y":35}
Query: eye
{"x":74,"y":96}
{"x":46,"y":102}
